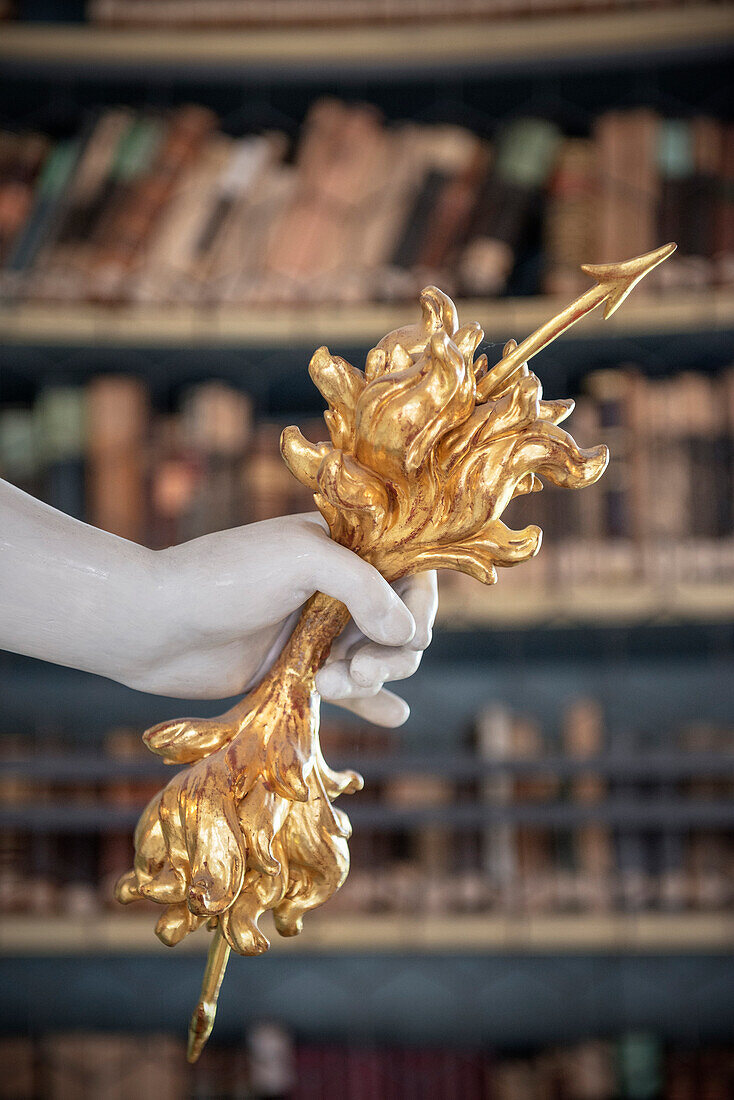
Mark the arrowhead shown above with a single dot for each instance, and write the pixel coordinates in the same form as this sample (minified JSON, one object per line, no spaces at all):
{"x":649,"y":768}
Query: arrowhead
{"x":619,"y":279}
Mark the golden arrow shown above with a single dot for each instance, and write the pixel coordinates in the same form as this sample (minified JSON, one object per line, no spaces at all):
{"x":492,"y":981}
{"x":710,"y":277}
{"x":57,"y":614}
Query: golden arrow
{"x":613,"y":283}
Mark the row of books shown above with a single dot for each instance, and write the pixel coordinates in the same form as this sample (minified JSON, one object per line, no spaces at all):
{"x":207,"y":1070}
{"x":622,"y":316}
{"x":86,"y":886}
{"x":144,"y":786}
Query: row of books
{"x":102,"y":453}
{"x":663,"y":513}
{"x":506,"y":865}
{"x":512,"y":866}
{"x":154,"y":207}
{"x":171,"y":14}
{"x":270,"y":1063}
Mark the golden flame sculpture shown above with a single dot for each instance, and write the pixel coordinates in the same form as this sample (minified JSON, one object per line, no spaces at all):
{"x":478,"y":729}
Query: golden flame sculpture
{"x":427,"y":447}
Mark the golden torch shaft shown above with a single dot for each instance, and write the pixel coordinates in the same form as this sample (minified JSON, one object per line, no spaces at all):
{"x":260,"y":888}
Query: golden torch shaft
{"x":202,"y":1020}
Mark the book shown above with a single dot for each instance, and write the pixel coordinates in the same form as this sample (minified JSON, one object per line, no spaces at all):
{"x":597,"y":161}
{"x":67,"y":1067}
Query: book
{"x":117,"y":410}
{"x":592,"y":842}
{"x":569,"y":222}
{"x":525,"y":155}
{"x":60,"y":427}
{"x":112,"y":1066}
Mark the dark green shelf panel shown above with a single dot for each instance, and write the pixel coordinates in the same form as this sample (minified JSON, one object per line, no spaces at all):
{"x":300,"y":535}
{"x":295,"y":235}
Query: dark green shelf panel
{"x":277,"y":378}
{"x":503,"y":1000}
{"x":533,"y":672}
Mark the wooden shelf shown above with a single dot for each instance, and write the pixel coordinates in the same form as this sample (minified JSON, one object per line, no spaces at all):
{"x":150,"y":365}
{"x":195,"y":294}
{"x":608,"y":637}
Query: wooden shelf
{"x":627,"y":934}
{"x":277,"y":327}
{"x":600,"y":606}
{"x":488,"y":44}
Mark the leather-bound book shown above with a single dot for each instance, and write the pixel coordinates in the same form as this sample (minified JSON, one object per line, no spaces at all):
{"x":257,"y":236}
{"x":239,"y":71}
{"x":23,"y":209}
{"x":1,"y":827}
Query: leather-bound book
{"x":593,"y":845}
{"x":18,"y":1068}
{"x":60,"y":416}
{"x":271,"y":1059}
{"x":217,"y":422}
{"x":131,"y":224}
{"x":569,"y":218}
{"x":448,"y":174}
{"x":15,"y":845}
{"x":705,"y":441}
{"x":267,"y":483}
{"x":19,"y":452}
{"x":464,"y":166}
{"x":639,"y":1065}
{"x":525,"y":156}
{"x":588,"y":1071}
{"x":534,"y":843}
{"x":637,"y":863}
{"x":175,"y":477}
{"x":424,"y":851}
{"x":111,"y":1066}
{"x":610,"y":390}
{"x":707,"y":134}
{"x":311,"y":247}
{"x":165,"y":272}
{"x":493,"y":739}
{"x":230,"y":249}
{"x":682,"y":1077}
{"x":724,"y":212}
{"x":516,"y":1079}
{"x":405,"y":153}
{"x":302,"y":230}
{"x":584,"y":516}
{"x":48,"y":197}
{"x":627,"y":150}
{"x":227,"y":247}
{"x":676,"y":165}
{"x":708,"y":878}
{"x":21,"y":159}
{"x":240,"y":266}
{"x":134,"y":152}
{"x":60,"y":274}
{"x":117,"y":412}
{"x":725,"y":482}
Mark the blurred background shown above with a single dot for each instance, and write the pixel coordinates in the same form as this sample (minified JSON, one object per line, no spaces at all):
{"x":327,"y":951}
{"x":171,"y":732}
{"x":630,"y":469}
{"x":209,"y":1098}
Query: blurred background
{"x":194,"y":196}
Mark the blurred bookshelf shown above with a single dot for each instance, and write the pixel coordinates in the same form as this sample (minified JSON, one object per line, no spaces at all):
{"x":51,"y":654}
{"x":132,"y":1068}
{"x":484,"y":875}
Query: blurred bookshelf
{"x":710,"y":311}
{"x":642,"y":646}
{"x":707,"y":933}
{"x":467,"y":43}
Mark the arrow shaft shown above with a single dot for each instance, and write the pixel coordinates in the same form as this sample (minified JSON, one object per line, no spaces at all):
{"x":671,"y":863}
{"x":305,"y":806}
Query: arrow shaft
{"x":553,"y":328}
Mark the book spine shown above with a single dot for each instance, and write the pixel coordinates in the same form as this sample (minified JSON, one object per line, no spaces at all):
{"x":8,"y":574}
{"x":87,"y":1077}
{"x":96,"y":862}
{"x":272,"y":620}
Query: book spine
{"x":118,"y":422}
{"x":60,"y":423}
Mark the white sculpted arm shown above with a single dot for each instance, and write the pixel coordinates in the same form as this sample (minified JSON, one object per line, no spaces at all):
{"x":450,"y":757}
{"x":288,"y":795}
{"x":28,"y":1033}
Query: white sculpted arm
{"x":204,"y":619}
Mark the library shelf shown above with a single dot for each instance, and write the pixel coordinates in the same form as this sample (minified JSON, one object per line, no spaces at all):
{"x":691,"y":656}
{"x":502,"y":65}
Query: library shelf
{"x":487,"y":44}
{"x":275,"y":327}
{"x":602,"y":605}
{"x":653,"y":933}
{"x":660,"y":813}
{"x":84,"y":767}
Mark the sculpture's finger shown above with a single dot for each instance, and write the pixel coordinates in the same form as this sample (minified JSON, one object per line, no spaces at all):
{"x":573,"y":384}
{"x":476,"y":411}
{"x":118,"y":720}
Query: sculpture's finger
{"x":375,"y":664}
{"x":375,"y":607}
{"x":382,"y":709}
{"x":335,"y":683}
{"x":419,"y":593}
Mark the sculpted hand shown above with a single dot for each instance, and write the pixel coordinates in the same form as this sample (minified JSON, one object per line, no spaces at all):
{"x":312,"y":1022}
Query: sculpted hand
{"x":205,"y":619}
{"x":244,"y":589}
